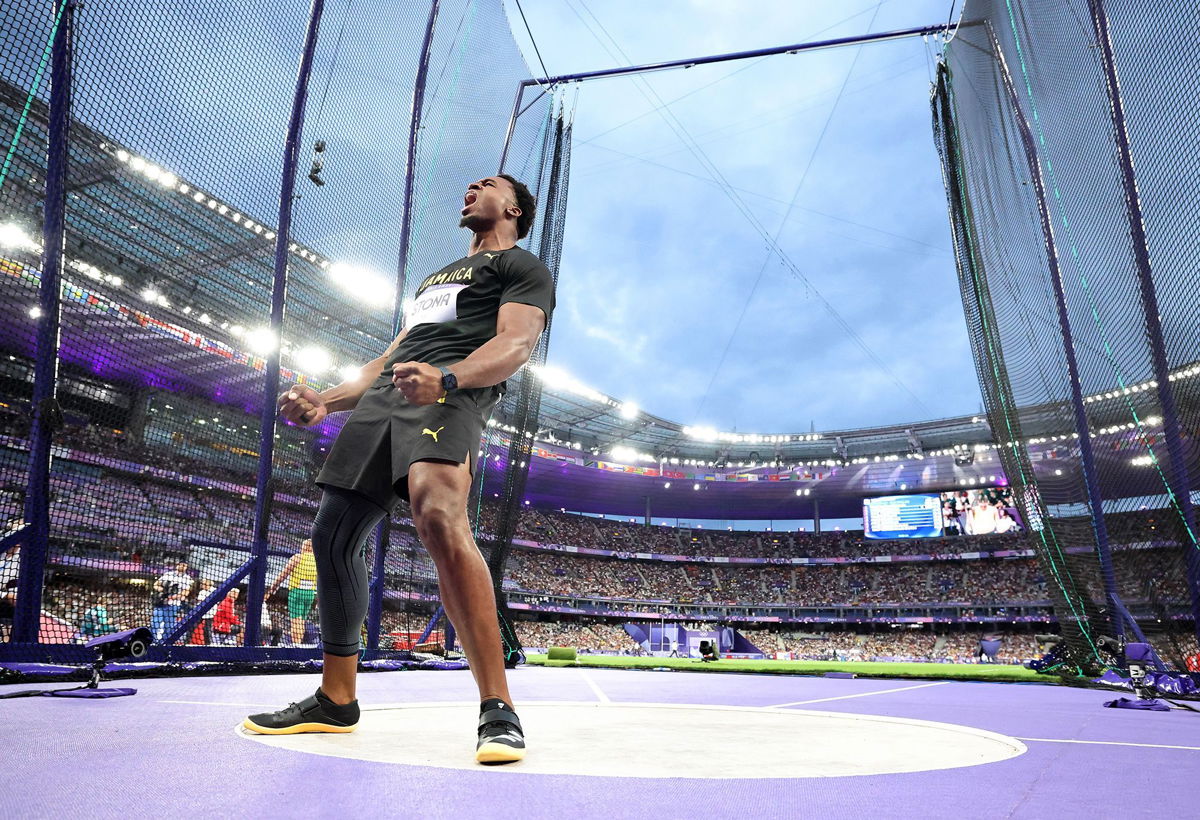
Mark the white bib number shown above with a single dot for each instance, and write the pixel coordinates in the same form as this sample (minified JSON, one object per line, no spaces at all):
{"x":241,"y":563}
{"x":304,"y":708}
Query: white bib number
{"x":436,"y":304}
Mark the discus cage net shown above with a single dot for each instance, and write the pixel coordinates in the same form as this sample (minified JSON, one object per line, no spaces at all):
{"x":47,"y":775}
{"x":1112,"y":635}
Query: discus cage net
{"x":1069,"y":154}
{"x":144,"y":432}
{"x":199,"y":207}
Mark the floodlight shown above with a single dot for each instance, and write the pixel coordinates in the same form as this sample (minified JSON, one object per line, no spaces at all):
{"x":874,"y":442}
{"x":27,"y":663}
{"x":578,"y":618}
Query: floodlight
{"x":313,"y":360}
{"x":261,"y":340}
{"x":13,"y":236}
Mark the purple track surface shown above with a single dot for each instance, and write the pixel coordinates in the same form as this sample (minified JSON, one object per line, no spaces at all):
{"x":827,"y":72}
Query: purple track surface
{"x":171,"y":750}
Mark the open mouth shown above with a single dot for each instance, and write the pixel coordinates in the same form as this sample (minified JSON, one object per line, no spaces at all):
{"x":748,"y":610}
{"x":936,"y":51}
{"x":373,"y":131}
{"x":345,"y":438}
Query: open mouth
{"x":469,"y":200}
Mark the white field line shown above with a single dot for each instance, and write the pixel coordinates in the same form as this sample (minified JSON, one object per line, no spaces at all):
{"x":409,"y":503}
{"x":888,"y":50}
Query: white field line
{"x":860,"y":694}
{"x":600,"y":696}
{"x":1110,"y":743}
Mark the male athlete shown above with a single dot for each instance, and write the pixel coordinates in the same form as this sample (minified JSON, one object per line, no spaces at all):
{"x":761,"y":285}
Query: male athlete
{"x":419,"y":411}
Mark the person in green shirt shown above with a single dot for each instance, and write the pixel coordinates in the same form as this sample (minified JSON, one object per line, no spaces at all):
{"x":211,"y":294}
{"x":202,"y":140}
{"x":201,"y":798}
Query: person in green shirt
{"x":95,"y":622}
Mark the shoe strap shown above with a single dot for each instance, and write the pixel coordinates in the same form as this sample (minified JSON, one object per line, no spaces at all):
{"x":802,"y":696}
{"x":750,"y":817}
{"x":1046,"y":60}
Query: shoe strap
{"x":309,"y":704}
{"x":500,"y":716}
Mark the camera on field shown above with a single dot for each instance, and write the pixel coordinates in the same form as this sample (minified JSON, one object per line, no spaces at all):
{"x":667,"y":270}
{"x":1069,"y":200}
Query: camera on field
{"x":132,"y":643}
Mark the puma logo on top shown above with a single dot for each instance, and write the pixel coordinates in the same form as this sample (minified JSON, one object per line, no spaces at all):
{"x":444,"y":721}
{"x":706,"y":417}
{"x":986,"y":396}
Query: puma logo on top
{"x":427,"y":432}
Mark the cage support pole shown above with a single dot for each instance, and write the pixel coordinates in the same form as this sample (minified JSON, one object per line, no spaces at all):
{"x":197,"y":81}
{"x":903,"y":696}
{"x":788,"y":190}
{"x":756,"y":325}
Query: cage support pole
{"x":375,"y":598}
{"x":264,"y":483}
{"x":410,"y":168}
{"x":47,"y":417}
{"x":645,"y":68}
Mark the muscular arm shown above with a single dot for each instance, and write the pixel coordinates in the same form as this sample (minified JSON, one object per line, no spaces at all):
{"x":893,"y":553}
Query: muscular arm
{"x":345,"y":396}
{"x":517,"y":329}
{"x":288,"y":569}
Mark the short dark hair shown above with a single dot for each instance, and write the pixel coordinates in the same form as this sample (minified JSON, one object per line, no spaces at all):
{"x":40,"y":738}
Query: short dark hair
{"x":525,"y":202}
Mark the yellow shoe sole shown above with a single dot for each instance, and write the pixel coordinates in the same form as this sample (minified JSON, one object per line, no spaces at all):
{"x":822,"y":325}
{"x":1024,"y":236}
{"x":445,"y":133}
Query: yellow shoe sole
{"x":299,"y":728}
{"x":498,"y":753}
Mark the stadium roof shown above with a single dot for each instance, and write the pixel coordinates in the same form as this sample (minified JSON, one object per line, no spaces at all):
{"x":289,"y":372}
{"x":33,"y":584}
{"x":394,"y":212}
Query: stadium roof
{"x":179,"y":280}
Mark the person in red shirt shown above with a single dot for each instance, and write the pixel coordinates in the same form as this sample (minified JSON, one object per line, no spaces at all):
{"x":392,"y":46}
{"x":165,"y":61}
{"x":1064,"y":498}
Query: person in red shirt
{"x":226,"y":624}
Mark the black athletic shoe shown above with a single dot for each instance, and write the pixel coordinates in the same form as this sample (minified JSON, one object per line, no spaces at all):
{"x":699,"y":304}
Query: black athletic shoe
{"x":501,"y":739}
{"x":313,"y":714}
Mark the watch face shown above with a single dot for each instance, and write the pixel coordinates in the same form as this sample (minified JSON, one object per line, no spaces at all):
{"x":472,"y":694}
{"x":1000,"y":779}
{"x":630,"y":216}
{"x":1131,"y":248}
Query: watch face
{"x":449,"y":382}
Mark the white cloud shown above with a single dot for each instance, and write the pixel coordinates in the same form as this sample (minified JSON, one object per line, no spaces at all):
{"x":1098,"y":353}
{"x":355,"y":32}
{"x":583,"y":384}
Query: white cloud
{"x":657,"y":264}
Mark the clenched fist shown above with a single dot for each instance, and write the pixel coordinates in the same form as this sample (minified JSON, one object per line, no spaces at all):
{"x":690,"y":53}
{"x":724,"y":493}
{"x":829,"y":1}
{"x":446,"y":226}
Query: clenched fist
{"x":302,"y":405}
{"x":420,"y":383}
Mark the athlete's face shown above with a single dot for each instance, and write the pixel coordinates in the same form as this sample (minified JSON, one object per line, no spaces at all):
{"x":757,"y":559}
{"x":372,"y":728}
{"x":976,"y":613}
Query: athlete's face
{"x":487,"y":202}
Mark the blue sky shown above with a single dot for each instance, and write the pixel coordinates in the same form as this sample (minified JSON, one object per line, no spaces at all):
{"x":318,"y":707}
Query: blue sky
{"x":668,"y":295}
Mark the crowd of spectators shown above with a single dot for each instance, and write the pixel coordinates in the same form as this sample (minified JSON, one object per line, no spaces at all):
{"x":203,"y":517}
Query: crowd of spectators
{"x":898,"y":644}
{"x":976,"y":581}
{"x":570,"y":529}
{"x":127,"y":525}
{"x":74,"y":611}
{"x":586,"y":637}
{"x":105,"y":440}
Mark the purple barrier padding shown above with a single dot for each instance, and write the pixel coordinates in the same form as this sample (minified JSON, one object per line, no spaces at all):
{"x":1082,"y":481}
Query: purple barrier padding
{"x":742,"y":644}
{"x":1175,"y":683}
{"x":1144,"y":705}
{"x":39,"y":668}
{"x":1167,"y":683}
{"x":389,"y":665}
{"x":1112,"y":677}
{"x":638,"y":633}
{"x":92,"y":694}
{"x":1139,"y":652}
{"x":448,"y":666}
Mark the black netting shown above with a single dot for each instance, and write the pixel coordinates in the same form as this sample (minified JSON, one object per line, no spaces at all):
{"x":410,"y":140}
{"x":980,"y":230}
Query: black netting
{"x":174,"y":125}
{"x":509,"y":446}
{"x":1062,"y":162}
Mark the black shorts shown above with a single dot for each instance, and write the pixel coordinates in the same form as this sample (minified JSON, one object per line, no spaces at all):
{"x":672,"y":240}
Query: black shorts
{"x":385,"y":435}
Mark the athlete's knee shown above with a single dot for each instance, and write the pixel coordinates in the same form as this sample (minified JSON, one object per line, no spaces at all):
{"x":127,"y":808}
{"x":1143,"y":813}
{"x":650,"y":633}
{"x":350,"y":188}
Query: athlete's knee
{"x":329,"y":511}
{"x":437,"y":522}
{"x":339,"y":517}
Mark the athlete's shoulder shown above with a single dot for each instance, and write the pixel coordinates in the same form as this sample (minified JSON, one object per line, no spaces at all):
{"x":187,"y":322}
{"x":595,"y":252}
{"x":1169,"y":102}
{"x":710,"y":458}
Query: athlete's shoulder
{"x":517,"y":252}
{"x":518,"y":261}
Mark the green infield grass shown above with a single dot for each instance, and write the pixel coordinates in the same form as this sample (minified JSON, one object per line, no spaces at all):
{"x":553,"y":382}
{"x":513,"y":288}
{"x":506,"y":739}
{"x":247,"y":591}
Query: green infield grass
{"x":866,"y":669}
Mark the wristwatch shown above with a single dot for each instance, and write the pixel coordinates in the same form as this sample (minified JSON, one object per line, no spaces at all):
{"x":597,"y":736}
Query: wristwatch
{"x":449,"y":380}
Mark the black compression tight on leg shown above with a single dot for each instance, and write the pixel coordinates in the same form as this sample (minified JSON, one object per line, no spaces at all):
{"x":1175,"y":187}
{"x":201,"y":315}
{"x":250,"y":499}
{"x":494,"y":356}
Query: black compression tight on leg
{"x":343,"y":524}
